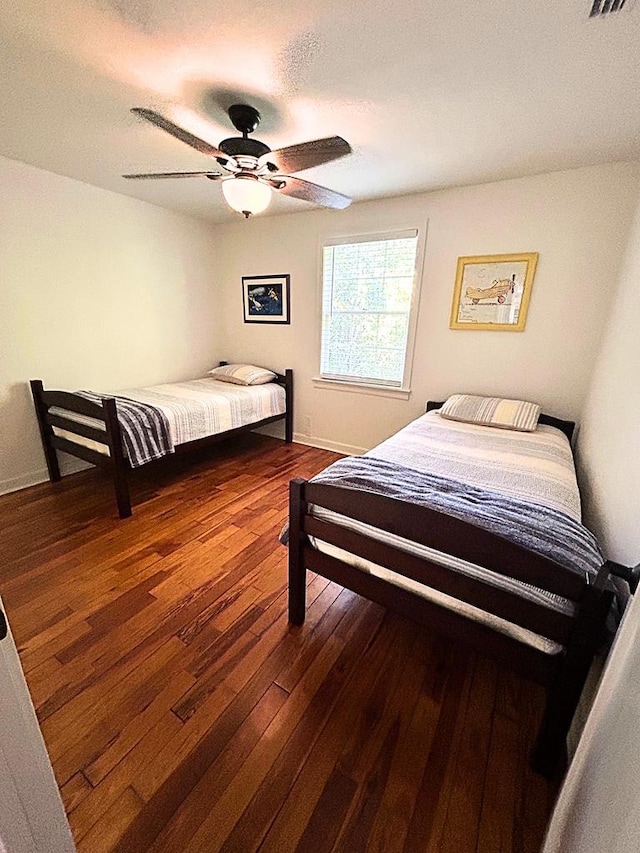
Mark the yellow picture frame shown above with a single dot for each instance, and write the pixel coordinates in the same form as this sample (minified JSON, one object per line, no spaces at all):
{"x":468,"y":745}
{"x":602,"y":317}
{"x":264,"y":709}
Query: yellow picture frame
{"x":492,"y":292}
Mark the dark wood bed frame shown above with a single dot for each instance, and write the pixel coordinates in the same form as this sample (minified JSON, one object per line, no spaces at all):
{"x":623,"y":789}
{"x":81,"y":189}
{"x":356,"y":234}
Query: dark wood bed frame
{"x":563,"y":674}
{"x":115,"y":461}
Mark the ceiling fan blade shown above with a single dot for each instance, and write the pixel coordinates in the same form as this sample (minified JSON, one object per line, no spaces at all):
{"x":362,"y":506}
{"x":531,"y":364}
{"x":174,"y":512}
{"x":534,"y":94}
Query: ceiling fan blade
{"x":213,"y":176}
{"x":296,"y":158}
{"x":297,"y":188}
{"x":179,"y":133}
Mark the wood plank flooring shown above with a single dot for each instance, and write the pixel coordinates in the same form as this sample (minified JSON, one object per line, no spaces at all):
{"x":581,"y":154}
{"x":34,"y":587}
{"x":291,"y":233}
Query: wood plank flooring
{"x":183,"y":713}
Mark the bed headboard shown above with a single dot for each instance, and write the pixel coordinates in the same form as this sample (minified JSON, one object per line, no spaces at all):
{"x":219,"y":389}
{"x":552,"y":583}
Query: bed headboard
{"x":567,"y":427}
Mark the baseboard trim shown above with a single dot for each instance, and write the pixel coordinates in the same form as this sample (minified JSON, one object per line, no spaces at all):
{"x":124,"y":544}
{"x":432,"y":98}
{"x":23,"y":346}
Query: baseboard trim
{"x":72,"y":466}
{"x":14,"y":484}
{"x":324,"y":444}
{"x":34,"y":478}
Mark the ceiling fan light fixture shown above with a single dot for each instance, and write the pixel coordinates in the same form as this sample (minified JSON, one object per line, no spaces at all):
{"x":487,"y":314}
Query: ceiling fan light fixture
{"x":246,"y":194}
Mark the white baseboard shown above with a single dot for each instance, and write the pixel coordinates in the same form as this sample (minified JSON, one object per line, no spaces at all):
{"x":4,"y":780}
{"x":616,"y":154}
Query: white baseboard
{"x":275,"y":431}
{"x":71,"y":465}
{"x":14,"y":484}
{"x":324,"y":444}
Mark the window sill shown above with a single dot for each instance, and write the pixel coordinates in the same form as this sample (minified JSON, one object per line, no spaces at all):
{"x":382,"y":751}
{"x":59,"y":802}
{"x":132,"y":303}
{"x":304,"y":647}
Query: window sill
{"x":362,"y":388}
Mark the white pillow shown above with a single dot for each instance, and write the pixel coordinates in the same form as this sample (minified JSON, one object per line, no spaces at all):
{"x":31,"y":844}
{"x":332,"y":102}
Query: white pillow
{"x":492,"y":411}
{"x":243,"y":374}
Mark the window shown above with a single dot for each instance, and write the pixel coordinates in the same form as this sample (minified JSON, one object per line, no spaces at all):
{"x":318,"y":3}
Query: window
{"x":367,"y":297}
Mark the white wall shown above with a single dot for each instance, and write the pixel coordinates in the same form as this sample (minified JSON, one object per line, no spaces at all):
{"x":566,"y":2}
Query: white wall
{"x":106,"y":292}
{"x":598,"y":809}
{"x":577,"y":220}
{"x":609,"y":439}
{"x":97,"y":291}
{"x":32,"y":816}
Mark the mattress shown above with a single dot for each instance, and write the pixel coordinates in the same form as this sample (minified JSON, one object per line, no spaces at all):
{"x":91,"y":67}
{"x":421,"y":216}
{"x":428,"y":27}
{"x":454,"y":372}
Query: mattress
{"x":195,"y":409}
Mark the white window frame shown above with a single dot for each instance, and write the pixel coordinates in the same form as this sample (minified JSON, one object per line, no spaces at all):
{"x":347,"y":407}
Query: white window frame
{"x":368,"y":386}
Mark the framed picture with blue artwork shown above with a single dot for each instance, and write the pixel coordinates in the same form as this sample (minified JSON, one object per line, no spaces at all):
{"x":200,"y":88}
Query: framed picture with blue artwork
{"x":265,"y":298}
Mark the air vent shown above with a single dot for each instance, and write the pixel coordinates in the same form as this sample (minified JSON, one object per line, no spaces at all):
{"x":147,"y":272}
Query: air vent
{"x":605,"y":7}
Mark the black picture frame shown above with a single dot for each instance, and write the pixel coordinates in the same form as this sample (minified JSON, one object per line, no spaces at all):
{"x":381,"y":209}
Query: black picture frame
{"x":266,"y":298}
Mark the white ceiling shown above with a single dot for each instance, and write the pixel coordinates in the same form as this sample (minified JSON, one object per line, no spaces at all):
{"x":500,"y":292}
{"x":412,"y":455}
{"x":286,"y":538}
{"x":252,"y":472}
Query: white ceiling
{"x":429,"y":93}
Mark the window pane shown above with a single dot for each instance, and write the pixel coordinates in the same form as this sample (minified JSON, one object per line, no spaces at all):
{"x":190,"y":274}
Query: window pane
{"x":367,"y":290}
{"x":398,"y":294}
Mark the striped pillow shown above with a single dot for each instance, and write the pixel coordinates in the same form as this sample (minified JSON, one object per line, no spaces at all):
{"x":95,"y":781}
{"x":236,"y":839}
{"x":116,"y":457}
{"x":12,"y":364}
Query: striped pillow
{"x":492,"y":411}
{"x":242,"y":374}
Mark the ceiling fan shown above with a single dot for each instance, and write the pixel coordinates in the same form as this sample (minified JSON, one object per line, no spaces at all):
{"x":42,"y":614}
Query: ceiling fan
{"x":254,"y":169}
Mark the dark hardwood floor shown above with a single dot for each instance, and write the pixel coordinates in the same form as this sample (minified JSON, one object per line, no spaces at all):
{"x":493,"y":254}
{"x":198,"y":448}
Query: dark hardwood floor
{"x":183,"y":713}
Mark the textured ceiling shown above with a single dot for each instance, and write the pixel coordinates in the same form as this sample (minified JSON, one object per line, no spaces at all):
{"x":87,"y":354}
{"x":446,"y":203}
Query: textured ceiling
{"x":429,"y":94}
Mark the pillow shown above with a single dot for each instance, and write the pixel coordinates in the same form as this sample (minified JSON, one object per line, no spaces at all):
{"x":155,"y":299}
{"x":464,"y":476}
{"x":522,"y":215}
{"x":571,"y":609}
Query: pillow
{"x":492,"y":411}
{"x":243,"y":374}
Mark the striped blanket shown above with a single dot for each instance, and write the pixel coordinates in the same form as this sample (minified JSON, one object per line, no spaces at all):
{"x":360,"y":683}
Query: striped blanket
{"x":144,"y":429}
{"x":531,"y":466}
{"x":548,"y":532}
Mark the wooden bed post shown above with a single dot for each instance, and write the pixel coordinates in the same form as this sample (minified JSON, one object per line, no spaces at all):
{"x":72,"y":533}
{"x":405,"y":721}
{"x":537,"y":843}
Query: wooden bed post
{"x":566,"y":689}
{"x":46,"y":431}
{"x":288,"y":390}
{"x":297,"y":571}
{"x":119,"y":464}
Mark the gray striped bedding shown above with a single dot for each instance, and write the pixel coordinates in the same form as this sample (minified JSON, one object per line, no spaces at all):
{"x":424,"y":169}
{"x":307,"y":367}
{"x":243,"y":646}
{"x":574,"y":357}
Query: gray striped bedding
{"x":536,"y":466}
{"x":144,"y":429}
{"x":192,"y":410}
{"x":202,"y":407}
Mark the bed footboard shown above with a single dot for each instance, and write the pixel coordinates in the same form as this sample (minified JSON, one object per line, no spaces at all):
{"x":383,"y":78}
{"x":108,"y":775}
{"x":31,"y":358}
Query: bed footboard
{"x":109,"y":435}
{"x":575,"y":635}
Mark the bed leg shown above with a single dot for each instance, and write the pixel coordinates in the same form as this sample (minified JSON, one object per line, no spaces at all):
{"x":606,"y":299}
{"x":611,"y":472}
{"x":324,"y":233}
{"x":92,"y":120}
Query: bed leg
{"x":123,"y":498}
{"x":119,"y":463}
{"x":297,"y":571}
{"x":288,"y":421}
{"x":50,"y":454}
{"x":548,"y":756}
{"x":565,"y":692}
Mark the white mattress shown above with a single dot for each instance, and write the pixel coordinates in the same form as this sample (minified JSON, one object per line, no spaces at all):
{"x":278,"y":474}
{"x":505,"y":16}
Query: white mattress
{"x":503,"y":626}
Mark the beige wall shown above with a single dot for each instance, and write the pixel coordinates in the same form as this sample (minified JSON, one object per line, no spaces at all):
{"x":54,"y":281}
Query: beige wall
{"x":96,"y":291}
{"x":609,"y":438}
{"x":587,"y":817}
{"x":597,"y":808}
{"x":577,"y":220}
{"x":102,"y":291}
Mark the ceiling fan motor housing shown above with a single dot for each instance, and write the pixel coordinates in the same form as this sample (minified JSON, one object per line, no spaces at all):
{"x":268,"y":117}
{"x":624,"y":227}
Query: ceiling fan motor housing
{"x":245,"y":119}
{"x":238,"y":146}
